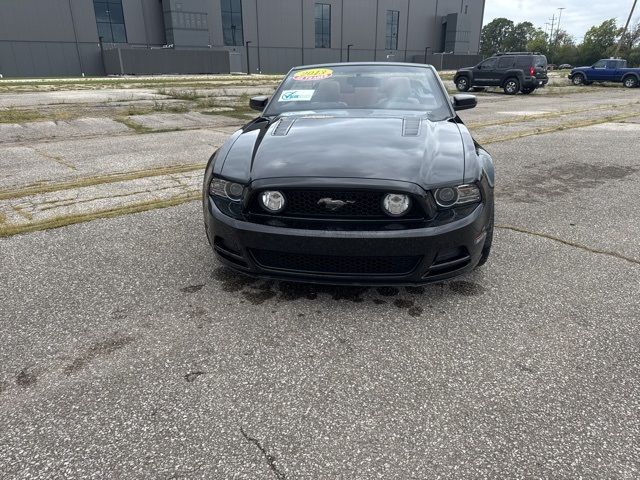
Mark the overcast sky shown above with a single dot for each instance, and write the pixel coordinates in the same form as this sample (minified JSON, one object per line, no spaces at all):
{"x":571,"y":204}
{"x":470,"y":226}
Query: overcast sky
{"x":577,"y":18}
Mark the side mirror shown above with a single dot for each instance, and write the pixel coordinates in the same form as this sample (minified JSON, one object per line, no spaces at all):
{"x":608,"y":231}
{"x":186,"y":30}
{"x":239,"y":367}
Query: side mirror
{"x":464,"y":102}
{"x":258,"y":103}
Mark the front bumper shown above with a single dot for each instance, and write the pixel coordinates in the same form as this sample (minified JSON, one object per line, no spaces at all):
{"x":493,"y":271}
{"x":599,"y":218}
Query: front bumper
{"x":414,"y":256}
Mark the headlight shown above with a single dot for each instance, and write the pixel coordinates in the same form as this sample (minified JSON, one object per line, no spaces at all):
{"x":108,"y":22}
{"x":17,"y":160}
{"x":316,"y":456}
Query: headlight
{"x":225,"y":189}
{"x":396,"y":204}
{"x":272,"y":201}
{"x":461,"y":195}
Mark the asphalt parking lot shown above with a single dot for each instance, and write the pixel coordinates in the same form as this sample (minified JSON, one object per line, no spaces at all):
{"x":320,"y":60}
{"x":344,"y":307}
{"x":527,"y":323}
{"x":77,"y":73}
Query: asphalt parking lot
{"x":128,"y":352}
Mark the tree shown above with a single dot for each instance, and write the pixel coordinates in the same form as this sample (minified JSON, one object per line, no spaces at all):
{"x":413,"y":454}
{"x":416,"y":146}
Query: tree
{"x":564,"y":49}
{"x":494,"y":36}
{"x":538,"y":42}
{"x":502,"y":35}
{"x":519,"y":36}
{"x":599,"y":41}
{"x":630,"y":40}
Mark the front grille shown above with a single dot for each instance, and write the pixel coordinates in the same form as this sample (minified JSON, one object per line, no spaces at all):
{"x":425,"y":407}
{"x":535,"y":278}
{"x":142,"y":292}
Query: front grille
{"x":336,"y":265}
{"x":357,"y":204}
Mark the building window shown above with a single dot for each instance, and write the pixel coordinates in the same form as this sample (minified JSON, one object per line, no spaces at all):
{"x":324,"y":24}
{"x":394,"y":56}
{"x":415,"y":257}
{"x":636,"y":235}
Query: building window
{"x":393,"y":18}
{"x":232,"y":22}
{"x":323,"y":25}
{"x":110,"y":21}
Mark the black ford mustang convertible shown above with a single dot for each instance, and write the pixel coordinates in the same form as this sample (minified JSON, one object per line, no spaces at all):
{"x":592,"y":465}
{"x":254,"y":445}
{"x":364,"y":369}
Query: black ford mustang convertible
{"x":355,"y":173}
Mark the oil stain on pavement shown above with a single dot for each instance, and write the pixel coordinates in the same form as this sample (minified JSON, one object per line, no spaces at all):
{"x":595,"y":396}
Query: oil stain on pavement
{"x":100,"y":349}
{"x":258,"y":292}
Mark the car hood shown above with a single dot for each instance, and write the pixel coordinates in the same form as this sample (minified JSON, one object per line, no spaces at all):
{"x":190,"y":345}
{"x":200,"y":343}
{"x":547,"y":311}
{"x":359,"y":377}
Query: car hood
{"x":402,"y":148}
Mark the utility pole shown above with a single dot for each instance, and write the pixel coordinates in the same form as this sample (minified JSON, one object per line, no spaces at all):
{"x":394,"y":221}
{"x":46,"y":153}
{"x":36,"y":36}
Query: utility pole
{"x":558,"y":27}
{"x":553,"y":23}
{"x":75,"y":36}
{"x":248,"y":63}
{"x":626,"y":27}
{"x":426,"y":52}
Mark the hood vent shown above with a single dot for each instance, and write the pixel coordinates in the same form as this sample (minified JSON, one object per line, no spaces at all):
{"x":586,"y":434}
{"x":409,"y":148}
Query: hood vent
{"x":283,"y":127}
{"x":411,"y":127}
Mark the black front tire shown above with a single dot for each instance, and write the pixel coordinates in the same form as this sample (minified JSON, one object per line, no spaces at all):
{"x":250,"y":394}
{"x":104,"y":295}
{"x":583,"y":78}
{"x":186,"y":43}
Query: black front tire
{"x":511,"y":86}
{"x":579,"y":79}
{"x":462,"y":84}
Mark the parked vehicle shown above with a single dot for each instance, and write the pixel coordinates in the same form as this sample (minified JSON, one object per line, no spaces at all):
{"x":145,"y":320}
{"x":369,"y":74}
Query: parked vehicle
{"x":566,"y":66}
{"x":357,"y":173}
{"x":606,"y":70}
{"x":551,"y":67}
{"x":513,"y":72}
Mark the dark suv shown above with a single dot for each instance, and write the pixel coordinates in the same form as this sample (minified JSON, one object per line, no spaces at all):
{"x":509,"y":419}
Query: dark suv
{"x":514,"y":72}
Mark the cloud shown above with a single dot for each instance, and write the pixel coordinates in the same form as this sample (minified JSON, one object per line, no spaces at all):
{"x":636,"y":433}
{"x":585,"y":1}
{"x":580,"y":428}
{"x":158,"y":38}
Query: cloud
{"x":577,"y":17}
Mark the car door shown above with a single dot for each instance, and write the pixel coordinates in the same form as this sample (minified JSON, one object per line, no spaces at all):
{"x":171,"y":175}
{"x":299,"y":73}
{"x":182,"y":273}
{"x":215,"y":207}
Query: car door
{"x":613,"y":72}
{"x":505,"y":63}
{"x":484,"y":73}
{"x":598,"y":72}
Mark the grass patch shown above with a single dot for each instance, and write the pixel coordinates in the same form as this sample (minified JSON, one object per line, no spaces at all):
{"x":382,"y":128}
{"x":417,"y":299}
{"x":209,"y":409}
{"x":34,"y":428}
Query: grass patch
{"x":240,"y":108}
{"x":170,"y":107}
{"x":7,"y":231}
{"x":40,"y":188}
{"x":3,"y":218}
{"x":17,"y":115}
{"x":190,"y":95}
{"x":14,"y":115}
{"x":135,"y":126}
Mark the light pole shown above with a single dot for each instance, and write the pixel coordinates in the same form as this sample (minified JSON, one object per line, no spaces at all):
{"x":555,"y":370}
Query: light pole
{"x":75,"y":35}
{"x":248,"y":64}
{"x":349,"y":51}
{"x":558,"y":27}
{"x":626,"y":27}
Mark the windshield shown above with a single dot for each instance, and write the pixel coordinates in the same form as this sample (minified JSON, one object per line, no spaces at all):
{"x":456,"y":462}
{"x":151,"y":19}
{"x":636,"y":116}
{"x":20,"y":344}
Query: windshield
{"x":349,"y":87}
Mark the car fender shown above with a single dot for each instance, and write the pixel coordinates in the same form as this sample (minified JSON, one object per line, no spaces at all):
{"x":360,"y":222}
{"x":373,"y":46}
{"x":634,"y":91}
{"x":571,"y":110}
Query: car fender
{"x":583,"y":72}
{"x":487,"y":165}
{"x":466,"y":73}
{"x":630,"y":74}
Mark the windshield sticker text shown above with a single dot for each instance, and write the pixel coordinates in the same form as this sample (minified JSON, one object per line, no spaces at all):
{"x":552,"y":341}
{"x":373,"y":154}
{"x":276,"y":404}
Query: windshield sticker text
{"x":296,"y":95}
{"x":313,"y":74}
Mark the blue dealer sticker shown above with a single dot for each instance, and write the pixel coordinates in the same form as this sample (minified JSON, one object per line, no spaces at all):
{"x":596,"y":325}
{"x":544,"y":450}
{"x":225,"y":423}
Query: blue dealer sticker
{"x":296,"y":95}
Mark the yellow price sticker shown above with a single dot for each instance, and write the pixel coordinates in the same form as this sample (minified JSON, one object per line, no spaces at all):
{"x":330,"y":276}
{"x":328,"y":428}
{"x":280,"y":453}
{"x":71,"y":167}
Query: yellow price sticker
{"x":313,"y":74}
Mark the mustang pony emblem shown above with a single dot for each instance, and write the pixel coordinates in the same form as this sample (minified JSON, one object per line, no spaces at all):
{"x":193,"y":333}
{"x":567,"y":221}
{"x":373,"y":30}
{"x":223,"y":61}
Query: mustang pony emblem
{"x":334,"y":205}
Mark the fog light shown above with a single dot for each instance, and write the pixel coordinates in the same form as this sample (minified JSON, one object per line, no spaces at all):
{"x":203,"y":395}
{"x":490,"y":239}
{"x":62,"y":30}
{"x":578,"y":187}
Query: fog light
{"x":396,"y":204}
{"x":272,"y":201}
{"x":445,"y":197}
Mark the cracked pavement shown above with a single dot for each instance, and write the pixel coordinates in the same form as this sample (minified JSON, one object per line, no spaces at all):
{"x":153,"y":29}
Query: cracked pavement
{"x":128,"y":352}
